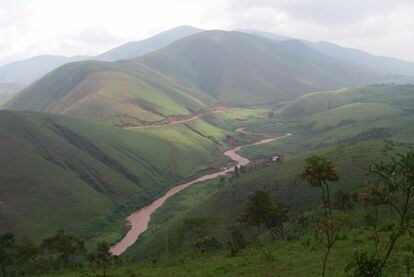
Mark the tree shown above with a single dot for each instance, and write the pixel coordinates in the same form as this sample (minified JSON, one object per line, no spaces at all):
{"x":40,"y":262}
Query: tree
{"x":102,"y":256}
{"x":256,"y":210}
{"x":237,"y":242}
{"x":393,"y":186}
{"x":222,"y":181}
{"x":207,"y":244}
{"x":26,"y":255}
{"x":7,"y":251}
{"x":62,"y":247}
{"x":236,"y":171}
{"x":318,"y":172}
{"x":260,"y":210}
{"x":342,"y":200}
{"x":276,"y":219}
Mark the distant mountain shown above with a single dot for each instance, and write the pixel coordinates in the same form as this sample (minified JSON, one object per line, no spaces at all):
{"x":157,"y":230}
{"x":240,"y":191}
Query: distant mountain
{"x":385,"y":64}
{"x":268,"y":35}
{"x":137,"y":48}
{"x":8,"y":89}
{"x":237,"y":68}
{"x":29,"y":70}
{"x":188,"y":76}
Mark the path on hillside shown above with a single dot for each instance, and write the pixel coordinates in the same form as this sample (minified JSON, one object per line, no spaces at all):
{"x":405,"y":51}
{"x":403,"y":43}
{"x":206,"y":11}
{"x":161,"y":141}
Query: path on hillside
{"x":179,"y":121}
{"x":138,"y":220}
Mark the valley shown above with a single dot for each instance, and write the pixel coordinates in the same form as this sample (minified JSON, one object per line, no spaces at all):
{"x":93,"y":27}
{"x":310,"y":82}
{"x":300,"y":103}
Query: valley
{"x":138,"y":220}
{"x":208,"y":153}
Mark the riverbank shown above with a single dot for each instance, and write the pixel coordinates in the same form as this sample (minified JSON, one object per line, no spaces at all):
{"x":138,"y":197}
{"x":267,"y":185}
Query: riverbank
{"x":138,"y":221}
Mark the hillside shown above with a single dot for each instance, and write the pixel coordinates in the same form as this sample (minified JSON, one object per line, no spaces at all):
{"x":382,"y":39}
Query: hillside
{"x":385,"y":64}
{"x":109,"y":93}
{"x":29,"y":70}
{"x":188,"y":77}
{"x":7,"y":90}
{"x":135,"y":49}
{"x":237,"y":68}
{"x":361,"y":126}
{"x":84,"y":177}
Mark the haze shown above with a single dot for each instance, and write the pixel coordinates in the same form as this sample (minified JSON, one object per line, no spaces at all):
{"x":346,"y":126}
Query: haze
{"x":78,"y":27}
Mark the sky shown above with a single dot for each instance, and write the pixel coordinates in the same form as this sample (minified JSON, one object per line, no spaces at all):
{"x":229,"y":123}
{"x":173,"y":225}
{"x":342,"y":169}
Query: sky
{"x":90,"y":27}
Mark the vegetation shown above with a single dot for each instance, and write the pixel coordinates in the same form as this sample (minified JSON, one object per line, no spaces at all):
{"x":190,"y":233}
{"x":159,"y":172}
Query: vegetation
{"x":318,"y":172}
{"x":86,"y":177}
{"x":61,"y":251}
{"x":101,"y":173}
{"x":261,"y":210}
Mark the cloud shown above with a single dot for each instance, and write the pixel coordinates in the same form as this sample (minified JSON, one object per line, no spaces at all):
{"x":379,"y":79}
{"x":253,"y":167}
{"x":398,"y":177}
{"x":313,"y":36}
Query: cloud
{"x":79,"y":27}
{"x":325,"y":11}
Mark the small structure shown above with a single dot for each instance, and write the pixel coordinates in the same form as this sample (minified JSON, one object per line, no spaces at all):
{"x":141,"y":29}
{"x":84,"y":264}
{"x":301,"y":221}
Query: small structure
{"x":266,"y":160}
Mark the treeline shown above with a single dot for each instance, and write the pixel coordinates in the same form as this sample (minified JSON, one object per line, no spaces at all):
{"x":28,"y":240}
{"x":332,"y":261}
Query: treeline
{"x":60,"y":252}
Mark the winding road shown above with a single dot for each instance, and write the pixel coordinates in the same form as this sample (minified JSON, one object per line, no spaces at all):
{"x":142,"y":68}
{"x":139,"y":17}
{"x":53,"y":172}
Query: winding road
{"x":138,"y":220}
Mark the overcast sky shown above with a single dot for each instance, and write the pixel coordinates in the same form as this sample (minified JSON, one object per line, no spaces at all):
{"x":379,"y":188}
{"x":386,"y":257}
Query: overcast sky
{"x":79,"y":27}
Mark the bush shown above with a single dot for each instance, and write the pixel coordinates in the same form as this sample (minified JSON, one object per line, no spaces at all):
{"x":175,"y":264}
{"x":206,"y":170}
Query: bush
{"x":207,"y":244}
{"x":364,"y":265}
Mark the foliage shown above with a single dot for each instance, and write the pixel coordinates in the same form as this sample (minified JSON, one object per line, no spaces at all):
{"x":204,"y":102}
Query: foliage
{"x":318,"y":172}
{"x":260,"y":210}
{"x":102,"y":256}
{"x":342,"y":200}
{"x":62,"y":248}
{"x":364,"y":265}
{"x":207,"y":244}
{"x":7,"y":251}
{"x":393,"y":186}
{"x":237,"y":242}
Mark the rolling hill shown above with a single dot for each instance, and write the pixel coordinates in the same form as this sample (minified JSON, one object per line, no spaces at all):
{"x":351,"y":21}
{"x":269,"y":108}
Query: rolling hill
{"x":110,"y":93}
{"x":237,"y":68}
{"x":83,"y":176}
{"x":353,"y":127}
{"x":186,"y":77}
{"x":29,"y":70}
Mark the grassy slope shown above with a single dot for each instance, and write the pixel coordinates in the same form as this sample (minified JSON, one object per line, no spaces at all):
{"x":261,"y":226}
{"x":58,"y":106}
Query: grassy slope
{"x":107,"y":92}
{"x":86,"y":177}
{"x":352,"y":155}
{"x":188,"y":76}
{"x":237,"y":68}
{"x":297,"y":258}
{"x":333,"y":117}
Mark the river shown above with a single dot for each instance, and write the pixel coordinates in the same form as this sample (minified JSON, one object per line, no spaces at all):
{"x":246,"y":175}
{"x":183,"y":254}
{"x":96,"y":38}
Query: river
{"x":138,"y":220}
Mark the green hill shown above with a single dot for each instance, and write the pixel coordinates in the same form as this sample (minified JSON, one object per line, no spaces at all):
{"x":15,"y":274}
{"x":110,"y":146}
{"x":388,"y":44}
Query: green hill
{"x":59,"y":172}
{"x":188,"y":76}
{"x":238,"y":68}
{"x":108,"y":92}
{"x":352,"y":127}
